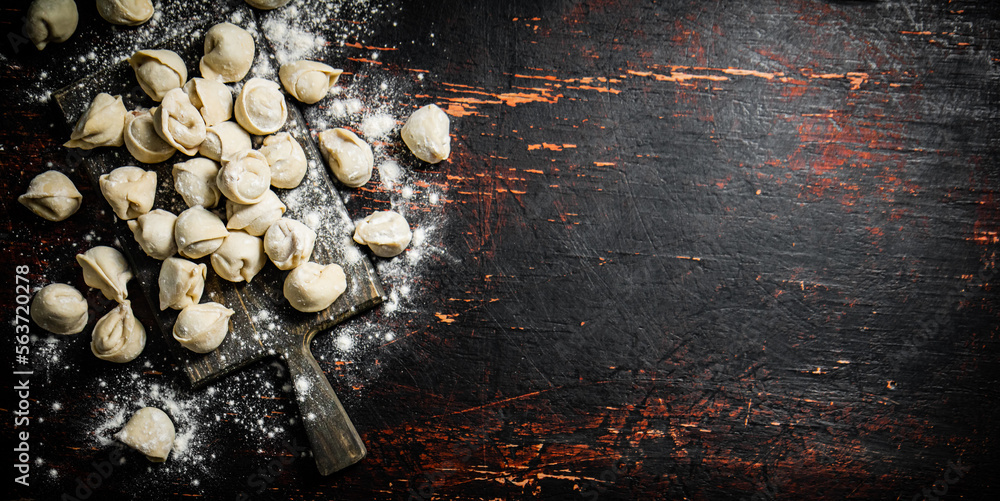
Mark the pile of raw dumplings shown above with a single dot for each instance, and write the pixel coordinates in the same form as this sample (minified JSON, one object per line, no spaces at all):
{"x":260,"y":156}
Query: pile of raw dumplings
{"x":201,"y":118}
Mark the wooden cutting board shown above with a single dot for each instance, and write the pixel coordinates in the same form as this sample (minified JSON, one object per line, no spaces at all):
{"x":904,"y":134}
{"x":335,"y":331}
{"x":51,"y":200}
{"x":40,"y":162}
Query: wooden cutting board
{"x":264,"y":323}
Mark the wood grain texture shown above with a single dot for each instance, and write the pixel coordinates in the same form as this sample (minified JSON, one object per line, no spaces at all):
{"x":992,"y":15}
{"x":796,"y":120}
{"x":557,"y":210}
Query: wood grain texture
{"x":702,"y":250}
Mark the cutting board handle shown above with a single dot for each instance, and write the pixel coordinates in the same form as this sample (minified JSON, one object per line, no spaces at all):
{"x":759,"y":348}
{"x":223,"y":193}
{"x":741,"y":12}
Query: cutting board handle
{"x":335,"y":443}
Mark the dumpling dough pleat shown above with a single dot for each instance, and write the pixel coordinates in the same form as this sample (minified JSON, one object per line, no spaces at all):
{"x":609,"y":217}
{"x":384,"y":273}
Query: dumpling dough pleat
{"x":60,"y":309}
{"x":314,"y":287}
{"x":103,"y":124}
{"x":179,"y":123}
{"x":194,"y":181}
{"x":129,"y":190}
{"x":213,"y":99}
{"x":245,"y":178}
{"x":229,"y":52}
{"x":261,"y":107}
{"x":256,"y":218}
{"x":287,"y":160}
{"x":118,"y":336}
{"x":426,"y":134}
{"x":240,"y":258}
{"x":347,"y":155}
{"x":52,"y":196}
{"x":150,"y":432}
{"x":224,"y":140}
{"x":289,"y":243}
{"x":308,"y":81}
{"x":142,"y":140}
{"x":181,"y":283}
{"x":125,"y":12}
{"x":198,"y":232}
{"x":51,"y":21}
{"x":201,"y":328}
{"x":106,"y":269}
{"x":154,"y":232}
{"x":158,"y":71}
{"x":386,"y":233}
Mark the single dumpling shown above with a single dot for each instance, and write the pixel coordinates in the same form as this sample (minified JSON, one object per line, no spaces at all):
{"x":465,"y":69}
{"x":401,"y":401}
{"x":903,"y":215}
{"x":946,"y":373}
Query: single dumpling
{"x":142,"y":140}
{"x":150,"y":432}
{"x":181,"y":283}
{"x":179,"y":123}
{"x":224,"y":140}
{"x":245,"y":178}
{"x":267,"y":4}
{"x":256,"y":218}
{"x":289,"y":243}
{"x":212,"y":98}
{"x":347,"y":155}
{"x":125,"y":12}
{"x":50,"y":21}
{"x":308,"y":81}
{"x":52,"y":196}
{"x":229,"y":52}
{"x":198,"y":232}
{"x":201,"y":328}
{"x":106,"y":269}
{"x":59,"y":309}
{"x":314,"y":287}
{"x":386,"y":233}
{"x":103,"y":124}
{"x":118,"y":336}
{"x":240,"y":257}
{"x":287,"y":160}
{"x":194,"y":181}
{"x":129,"y":190}
{"x":154,"y":232}
{"x":158,"y":71}
{"x":426,"y":134}
{"x":260,"y":107}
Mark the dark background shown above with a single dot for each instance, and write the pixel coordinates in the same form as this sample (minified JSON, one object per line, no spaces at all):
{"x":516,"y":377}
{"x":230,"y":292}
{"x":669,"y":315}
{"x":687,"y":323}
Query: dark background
{"x":694,"y":250}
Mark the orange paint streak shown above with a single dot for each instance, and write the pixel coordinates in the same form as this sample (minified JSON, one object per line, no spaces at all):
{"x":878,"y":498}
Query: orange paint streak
{"x":446,"y":318}
{"x":549,"y":146}
{"x":751,"y":73}
{"x":604,"y":164}
{"x":368,"y":47}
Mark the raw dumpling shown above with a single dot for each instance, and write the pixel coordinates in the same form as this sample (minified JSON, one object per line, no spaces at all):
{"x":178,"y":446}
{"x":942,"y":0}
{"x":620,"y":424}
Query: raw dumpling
{"x":106,"y":269}
{"x":181,"y":283}
{"x":179,"y":123}
{"x":103,"y":124}
{"x":118,"y":336}
{"x":154,"y":231}
{"x":256,"y":218}
{"x":202,"y":327}
{"x":308,"y":81}
{"x":260,"y":107}
{"x":52,"y":196}
{"x":198,"y":232}
{"x":229,"y":53}
{"x":51,"y":21}
{"x":125,"y":12}
{"x":130,"y":191}
{"x":245,"y":178}
{"x":240,"y":257}
{"x":287,"y":160}
{"x":142,"y":140}
{"x":426,"y":134}
{"x":386,"y":233}
{"x":158,"y":71}
{"x":150,"y":432}
{"x":267,"y":4}
{"x":213,"y":99}
{"x":194,"y":180}
{"x":314,"y":287}
{"x":289,"y":243}
{"x":224,"y":140}
{"x":349,"y":158}
{"x":59,"y":309}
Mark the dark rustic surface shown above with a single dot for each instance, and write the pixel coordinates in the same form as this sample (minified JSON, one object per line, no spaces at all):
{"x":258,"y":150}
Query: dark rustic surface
{"x":701,"y":250}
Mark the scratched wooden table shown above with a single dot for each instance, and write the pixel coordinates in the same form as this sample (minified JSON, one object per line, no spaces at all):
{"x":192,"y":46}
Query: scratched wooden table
{"x":702,"y":250}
